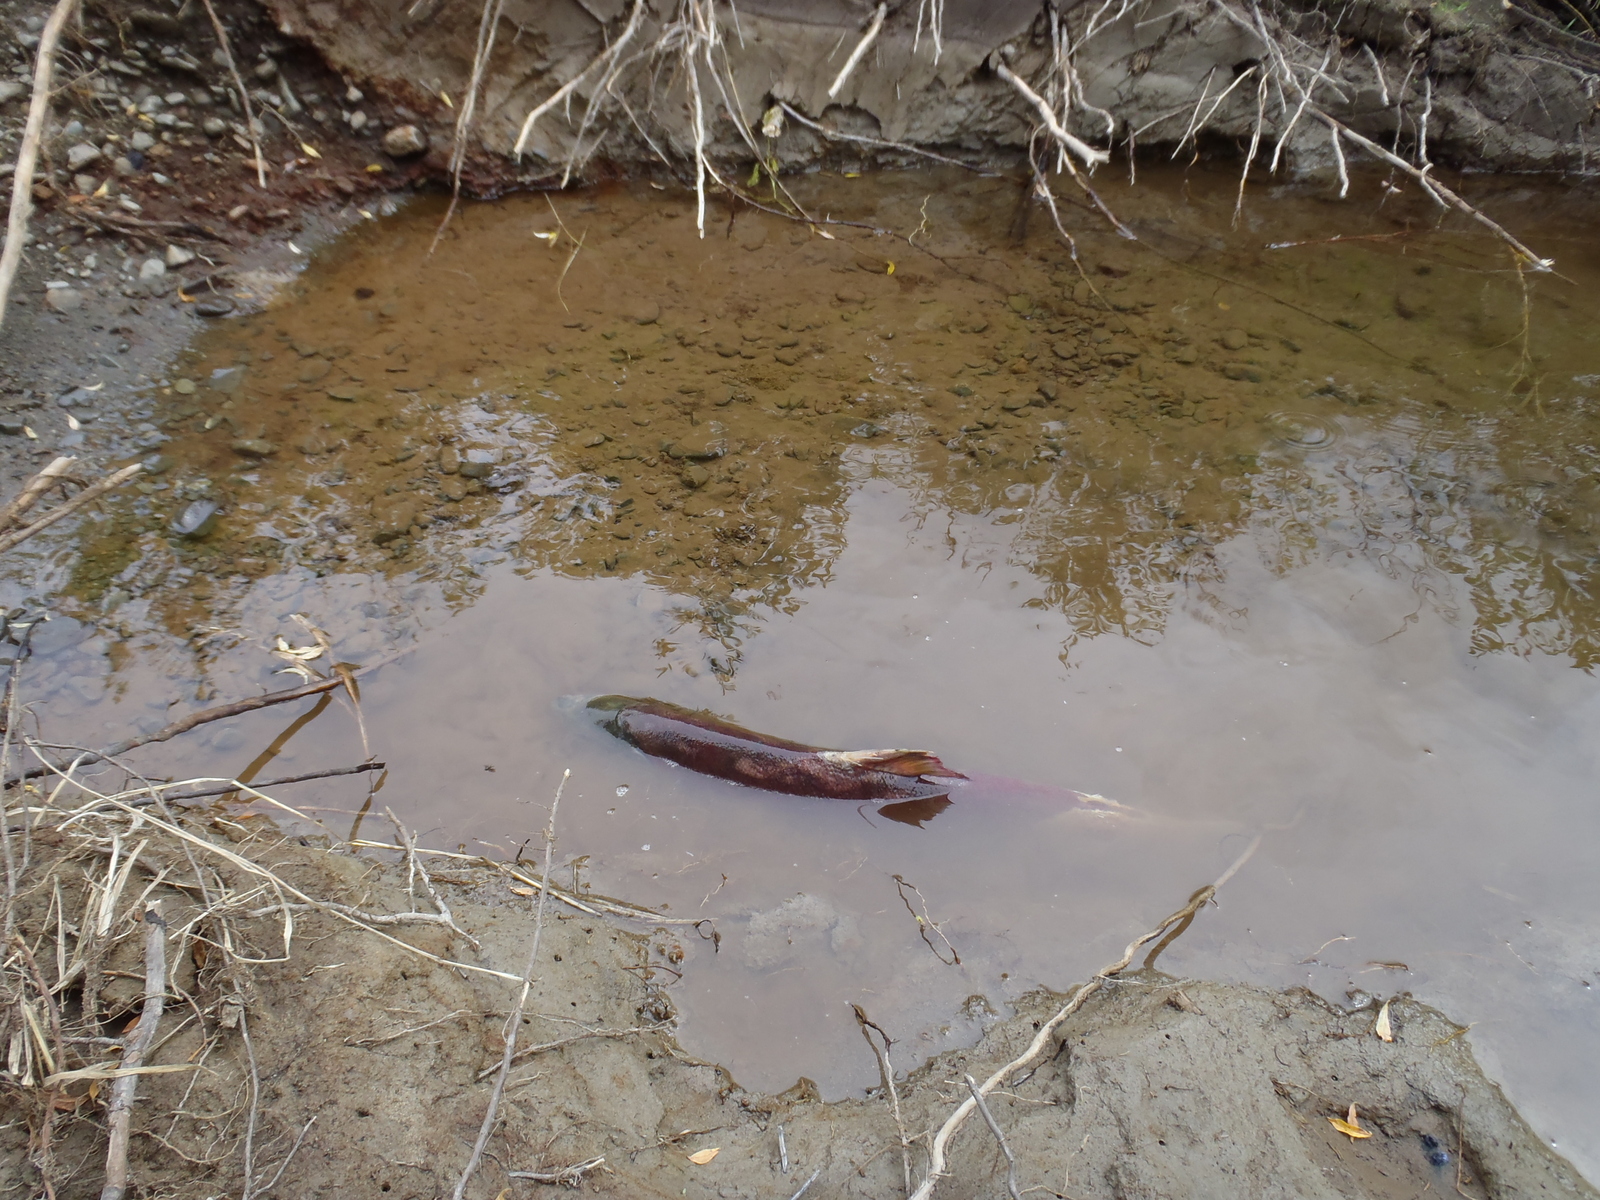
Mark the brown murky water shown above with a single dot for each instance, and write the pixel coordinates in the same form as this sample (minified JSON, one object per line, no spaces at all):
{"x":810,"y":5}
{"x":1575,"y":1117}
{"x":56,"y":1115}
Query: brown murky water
{"x":1289,"y":524}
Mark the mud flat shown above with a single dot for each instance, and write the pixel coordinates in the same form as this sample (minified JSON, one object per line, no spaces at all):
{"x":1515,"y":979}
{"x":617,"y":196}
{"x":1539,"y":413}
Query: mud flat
{"x":301,"y":1055}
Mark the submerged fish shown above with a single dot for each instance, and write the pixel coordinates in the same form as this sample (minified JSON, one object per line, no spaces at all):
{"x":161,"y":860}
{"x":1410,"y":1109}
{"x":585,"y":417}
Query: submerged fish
{"x":917,"y":781}
{"x":706,"y":743}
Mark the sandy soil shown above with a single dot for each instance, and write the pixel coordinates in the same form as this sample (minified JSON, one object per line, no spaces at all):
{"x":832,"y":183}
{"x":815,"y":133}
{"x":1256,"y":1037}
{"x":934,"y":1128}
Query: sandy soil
{"x":372,"y":1056}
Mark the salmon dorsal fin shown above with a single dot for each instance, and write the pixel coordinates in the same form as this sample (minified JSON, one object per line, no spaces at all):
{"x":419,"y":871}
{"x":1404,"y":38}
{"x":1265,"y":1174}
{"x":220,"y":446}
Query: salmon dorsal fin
{"x":894,"y":762}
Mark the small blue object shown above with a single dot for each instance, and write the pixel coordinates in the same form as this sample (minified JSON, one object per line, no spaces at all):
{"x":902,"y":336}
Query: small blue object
{"x":1437,"y":1155}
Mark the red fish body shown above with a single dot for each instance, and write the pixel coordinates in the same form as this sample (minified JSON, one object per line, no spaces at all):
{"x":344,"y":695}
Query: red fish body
{"x":708,"y":744}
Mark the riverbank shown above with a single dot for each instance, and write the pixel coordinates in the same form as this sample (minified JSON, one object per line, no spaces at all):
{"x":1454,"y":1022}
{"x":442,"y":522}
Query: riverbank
{"x":335,"y":1015}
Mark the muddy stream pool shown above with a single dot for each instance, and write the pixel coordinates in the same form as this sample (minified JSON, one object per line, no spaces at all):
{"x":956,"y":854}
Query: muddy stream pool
{"x":1289,"y":525}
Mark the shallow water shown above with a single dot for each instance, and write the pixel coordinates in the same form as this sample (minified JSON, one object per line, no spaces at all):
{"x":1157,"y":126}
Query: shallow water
{"x":1284,"y":527}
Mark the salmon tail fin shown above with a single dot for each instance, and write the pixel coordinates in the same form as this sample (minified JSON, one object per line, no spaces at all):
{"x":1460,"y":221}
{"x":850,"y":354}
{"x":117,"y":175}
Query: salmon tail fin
{"x":894,"y":762}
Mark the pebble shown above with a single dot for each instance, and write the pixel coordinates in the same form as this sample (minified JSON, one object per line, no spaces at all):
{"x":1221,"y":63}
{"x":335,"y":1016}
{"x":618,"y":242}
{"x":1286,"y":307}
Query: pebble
{"x":178,"y":256}
{"x":10,"y":89}
{"x":266,"y":70}
{"x":254,"y":448}
{"x":152,"y":268}
{"x":213,"y":127}
{"x":1234,"y":339}
{"x":174,"y":99}
{"x":152,"y":104}
{"x":11,"y":426}
{"x":449,"y":460}
{"x":213,"y":306}
{"x":1065,"y":350}
{"x":849,"y":296}
{"x":123,"y":166}
{"x":197,"y":520}
{"x":404,"y":141}
{"x":82,"y":155}
{"x":1019,"y":302}
{"x":696,"y":476}
{"x":1243,"y":372}
{"x":84,"y":185}
{"x":353,"y":95}
{"x":142,"y":141}
{"x":358,"y":121}
{"x":226,"y":380}
{"x":345,"y":391}
{"x":63,"y":300}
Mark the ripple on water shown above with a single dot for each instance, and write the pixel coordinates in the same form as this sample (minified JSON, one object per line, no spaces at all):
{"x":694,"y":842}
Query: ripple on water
{"x":1302,"y":431}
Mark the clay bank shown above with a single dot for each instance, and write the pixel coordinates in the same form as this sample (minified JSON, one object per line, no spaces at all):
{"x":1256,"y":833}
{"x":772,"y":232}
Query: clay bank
{"x":1184,"y":415}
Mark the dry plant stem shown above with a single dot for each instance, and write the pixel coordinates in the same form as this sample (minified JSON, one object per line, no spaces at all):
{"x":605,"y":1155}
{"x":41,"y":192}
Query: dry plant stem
{"x":879,"y":143}
{"x":488,"y":25}
{"x":806,"y":1186}
{"x":255,"y":1105}
{"x":119,"y":1113}
{"x":1436,"y":189}
{"x":244,"y":93}
{"x":1087,"y":153}
{"x":856,"y":55}
{"x":219,"y":713}
{"x":994,"y":1128}
{"x":280,"y":885}
{"x":44,"y":65}
{"x":233,"y":785}
{"x":514,"y":1022}
{"x":35,"y":487}
{"x":88,"y":496}
{"x":938,"y":1156}
{"x":570,"y":1176}
{"x":606,"y":57}
{"x":9,"y":713}
{"x":887,"y":1071}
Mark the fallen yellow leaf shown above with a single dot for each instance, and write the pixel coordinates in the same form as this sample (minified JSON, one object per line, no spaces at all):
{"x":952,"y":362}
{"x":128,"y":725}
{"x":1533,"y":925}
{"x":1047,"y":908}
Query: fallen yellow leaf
{"x":374,"y":168}
{"x":309,"y":150}
{"x":1350,"y":1125}
{"x":1382,"y":1026}
{"x":701,"y":1157}
{"x":889,"y":270}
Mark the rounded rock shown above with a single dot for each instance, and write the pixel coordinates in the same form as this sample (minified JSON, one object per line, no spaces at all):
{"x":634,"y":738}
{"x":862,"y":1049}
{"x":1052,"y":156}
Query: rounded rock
{"x":405,"y":141}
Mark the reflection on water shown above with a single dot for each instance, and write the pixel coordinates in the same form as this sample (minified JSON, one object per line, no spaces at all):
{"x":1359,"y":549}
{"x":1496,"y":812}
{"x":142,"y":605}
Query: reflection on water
{"x":1245,"y":537}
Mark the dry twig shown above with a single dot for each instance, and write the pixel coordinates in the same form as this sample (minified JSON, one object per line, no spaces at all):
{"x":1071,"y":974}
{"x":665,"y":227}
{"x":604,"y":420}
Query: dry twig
{"x":119,"y":1112}
{"x":571,"y":1176}
{"x":856,"y":55}
{"x":33,"y":489}
{"x":250,"y":123}
{"x":887,"y":1072}
{"x":44,"y":65}
{"x":89,"y":494}
{"x":994,"y":1128}
{"x":514,"y":1021}
{"x":938,"y":1156}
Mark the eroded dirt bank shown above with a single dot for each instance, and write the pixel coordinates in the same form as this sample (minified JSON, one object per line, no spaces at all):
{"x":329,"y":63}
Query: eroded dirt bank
{"x":1484,"y":84}
{"x":372,"y":1059}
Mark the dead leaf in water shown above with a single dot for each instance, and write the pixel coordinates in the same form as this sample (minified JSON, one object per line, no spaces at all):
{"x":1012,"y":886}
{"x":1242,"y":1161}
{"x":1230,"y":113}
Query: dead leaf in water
{"x":701,"y":1157}
{"x":1350,"y":1126}
{"x":1382,"y":1027}
{"x":524,"y":891}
